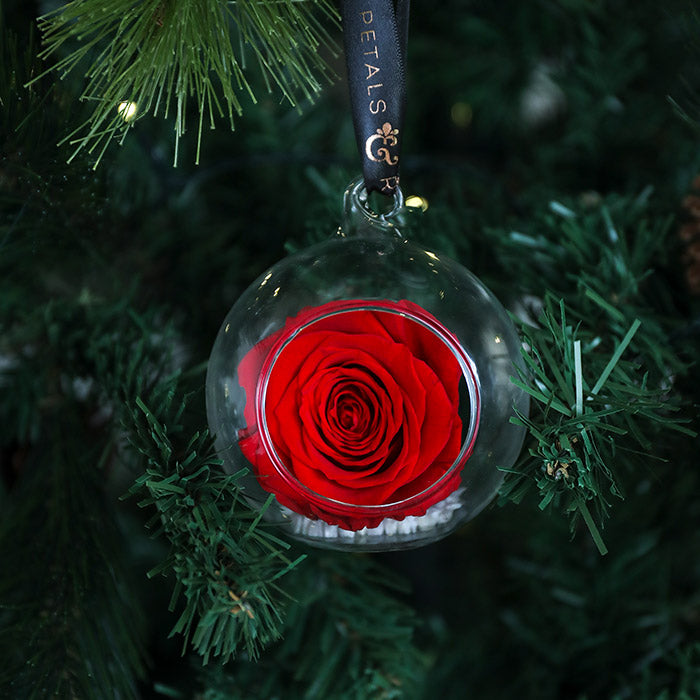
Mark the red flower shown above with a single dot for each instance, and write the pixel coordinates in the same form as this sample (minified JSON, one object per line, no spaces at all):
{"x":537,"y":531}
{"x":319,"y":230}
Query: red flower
{"x":352,"y":412}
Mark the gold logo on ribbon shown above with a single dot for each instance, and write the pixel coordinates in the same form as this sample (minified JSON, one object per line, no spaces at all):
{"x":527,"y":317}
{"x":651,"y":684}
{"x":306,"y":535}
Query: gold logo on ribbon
{"x":388,"y":139}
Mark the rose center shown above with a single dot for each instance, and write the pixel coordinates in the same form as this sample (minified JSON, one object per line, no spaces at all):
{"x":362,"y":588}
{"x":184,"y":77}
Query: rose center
{"x":350,"y":412}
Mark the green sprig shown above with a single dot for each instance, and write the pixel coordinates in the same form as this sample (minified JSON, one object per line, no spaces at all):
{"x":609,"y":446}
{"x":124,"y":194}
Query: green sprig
{"x":587,"y":406}
{"x":155,"y":56}
{"x":226,"y":564}
{"x":333,"y":646}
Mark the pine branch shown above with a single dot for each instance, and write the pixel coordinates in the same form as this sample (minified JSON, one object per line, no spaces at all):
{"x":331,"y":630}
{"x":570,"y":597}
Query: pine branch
{"x":347,"y":636}
{"x":601,"y":255}
{"x":566,"y":613}
{"x":593,"y":261}
{"x":591,"y":412}
{"x":70,"y":623}
{"x":152,"y":55}
{"x":635,"y":611}
{"x":225,"y":562}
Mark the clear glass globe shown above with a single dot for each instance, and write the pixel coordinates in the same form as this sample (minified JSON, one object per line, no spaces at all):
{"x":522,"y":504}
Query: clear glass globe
{"x":365,"y":383}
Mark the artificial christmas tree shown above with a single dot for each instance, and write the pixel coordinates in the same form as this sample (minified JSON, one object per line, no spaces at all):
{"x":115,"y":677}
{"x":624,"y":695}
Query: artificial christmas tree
{"x":555,"y":168}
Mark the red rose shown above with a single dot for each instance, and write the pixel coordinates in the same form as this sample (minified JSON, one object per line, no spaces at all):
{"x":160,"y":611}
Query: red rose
{"x":352,"y":412}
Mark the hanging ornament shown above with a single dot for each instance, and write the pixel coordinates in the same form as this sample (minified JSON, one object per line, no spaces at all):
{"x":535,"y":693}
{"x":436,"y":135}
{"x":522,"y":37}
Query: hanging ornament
{"x":365,"y":382}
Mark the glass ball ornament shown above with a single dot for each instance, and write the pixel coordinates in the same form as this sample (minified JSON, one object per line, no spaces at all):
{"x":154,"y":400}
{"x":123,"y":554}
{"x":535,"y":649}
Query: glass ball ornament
{"x":365,"y":383}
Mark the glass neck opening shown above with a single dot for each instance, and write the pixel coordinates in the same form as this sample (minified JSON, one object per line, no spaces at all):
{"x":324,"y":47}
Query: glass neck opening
{"x":360,"y":219}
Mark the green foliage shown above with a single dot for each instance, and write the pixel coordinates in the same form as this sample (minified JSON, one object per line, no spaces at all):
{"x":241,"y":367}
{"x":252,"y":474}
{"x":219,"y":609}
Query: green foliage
{"x":340,"y":641}
{"x":548,"y":91}
{"x":65,"y":591}
{"x":632,"y":613}
{"x":67,"y":352}
{"x":224,"y":561}
{"x":635,"y":609}
{"x":162,"y":55}
{"x":593,"y":407}
{"x":587,"y":408}
{"x":604,"y":256}
{"x":62,"y":450}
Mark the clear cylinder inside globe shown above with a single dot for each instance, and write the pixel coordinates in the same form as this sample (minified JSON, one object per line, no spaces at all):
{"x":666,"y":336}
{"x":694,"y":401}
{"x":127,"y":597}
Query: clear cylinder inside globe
{"x":365,"y":383}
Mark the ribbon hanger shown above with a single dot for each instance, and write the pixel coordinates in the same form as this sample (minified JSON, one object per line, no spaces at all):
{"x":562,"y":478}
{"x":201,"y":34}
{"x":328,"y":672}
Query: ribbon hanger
{"x":375,"y":37}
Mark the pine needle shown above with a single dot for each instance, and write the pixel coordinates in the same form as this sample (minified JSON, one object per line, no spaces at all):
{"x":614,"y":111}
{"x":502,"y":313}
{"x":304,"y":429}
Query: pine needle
{"x":153,"y":56}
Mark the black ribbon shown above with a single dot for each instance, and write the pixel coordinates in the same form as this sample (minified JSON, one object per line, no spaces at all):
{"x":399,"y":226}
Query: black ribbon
{"x":375,"y":34}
